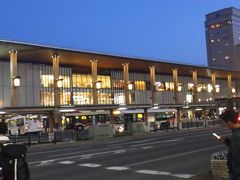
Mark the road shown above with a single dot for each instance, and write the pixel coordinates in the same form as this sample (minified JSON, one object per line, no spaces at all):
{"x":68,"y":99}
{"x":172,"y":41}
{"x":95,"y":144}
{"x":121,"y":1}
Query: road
{"x":163,"y":155}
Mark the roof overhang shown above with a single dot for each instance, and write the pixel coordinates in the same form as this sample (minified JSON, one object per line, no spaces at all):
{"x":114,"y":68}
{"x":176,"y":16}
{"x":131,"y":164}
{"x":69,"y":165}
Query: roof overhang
{"x":80,"y":60}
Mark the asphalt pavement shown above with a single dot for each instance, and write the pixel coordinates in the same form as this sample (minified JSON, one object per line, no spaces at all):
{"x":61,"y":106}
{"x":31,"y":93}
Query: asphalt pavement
{"x":157,"y":156}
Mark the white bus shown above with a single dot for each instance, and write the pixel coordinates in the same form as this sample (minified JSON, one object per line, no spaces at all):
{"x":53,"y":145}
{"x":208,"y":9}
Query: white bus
{"x":25,"y":124}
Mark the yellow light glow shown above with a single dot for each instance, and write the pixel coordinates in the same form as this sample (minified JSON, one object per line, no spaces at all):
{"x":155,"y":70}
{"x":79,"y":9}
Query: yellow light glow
{"x":84,"y":118}
{"x":16,"y":81}
{"x":116,"y":112}
{"x":139,"y":116}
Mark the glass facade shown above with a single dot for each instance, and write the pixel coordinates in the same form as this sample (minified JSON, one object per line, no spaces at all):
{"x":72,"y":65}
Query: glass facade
{"x":47,"y":86}
{"x":83,"y":90}
{"x":77,"y":89}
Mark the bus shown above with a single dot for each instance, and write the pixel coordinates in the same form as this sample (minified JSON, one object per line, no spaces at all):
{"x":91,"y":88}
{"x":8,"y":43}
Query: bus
{"x":18,"y":125}
{"x":157,"y":118}
{"x":82,"y":120}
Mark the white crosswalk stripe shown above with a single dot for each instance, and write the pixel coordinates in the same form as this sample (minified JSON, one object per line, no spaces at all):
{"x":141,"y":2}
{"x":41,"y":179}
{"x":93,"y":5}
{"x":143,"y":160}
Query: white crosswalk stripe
{"x":186,"y":176}
{"x":117,"y":168}
{"x":153,"y":172}
{"x":92,"y":165}
{"x":66,"y":162}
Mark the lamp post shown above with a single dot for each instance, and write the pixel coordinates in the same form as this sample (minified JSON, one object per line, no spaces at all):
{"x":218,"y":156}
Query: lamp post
{"x":16,"y":81}
{"x":59,"y":82}
{"x":130,"y":86}
{"x":98,"y":84}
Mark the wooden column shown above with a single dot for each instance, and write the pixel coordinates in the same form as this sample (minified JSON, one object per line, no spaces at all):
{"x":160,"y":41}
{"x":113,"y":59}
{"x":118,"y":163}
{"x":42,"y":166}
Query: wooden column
{"x":229,"y":77}
{"x":152,"y":81}
{"x":175,"y":80}
{"x":13,"y":73}
{"x":126,"y":81}
{"x":94,"y":81}
{"x":213,"y":79}
{"x":55,"y":69}
{"x":195,"y":82}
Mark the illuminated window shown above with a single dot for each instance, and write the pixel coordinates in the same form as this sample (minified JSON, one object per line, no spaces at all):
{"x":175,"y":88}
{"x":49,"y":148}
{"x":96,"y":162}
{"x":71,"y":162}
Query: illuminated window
{"x":209,"y":88}
{"x":179,"y":87}
{"x":189,"y":98}
{"x":82,"y":80}
{"x":217,"y":88}
{"x":47,"y":86}
{"x":105,"y":98}
{"x":227,"y":57}
{"x":212,"y":40}
{"x":140,"y":85}
{"x":190,"y":86}
{"x":47,"y":98}
{"x":105,"y":81}
{"x":82,"y":98}
{"x":169,"y":86}
{"x":213,"y":59}
{"x":202,"y":88}
{"x":118,"y":84}
{"x":65,"y":98}
{"x":160,"y":86}
{"x":212,"y":26}
{"x":229,"y":22}
{"x":47,"y":80}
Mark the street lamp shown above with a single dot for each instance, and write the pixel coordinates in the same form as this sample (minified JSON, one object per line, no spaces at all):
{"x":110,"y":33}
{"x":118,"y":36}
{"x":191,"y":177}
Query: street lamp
{"x":130,"y":86}
{"x":59,"y":82}
{"x":16,"y":81}
{"x":98,"y":84}
{"x":179,"y":87}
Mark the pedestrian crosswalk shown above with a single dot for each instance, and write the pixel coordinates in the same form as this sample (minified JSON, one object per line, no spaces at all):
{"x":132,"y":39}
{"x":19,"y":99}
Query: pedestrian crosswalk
{"x":122,"y":168}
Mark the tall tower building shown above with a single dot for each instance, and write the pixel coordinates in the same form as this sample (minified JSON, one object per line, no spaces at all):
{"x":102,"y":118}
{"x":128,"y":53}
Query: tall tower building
{"x":223,"y":38}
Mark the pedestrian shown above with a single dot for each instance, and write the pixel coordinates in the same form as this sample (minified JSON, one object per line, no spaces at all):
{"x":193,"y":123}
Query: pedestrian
{"x":232,"y":121}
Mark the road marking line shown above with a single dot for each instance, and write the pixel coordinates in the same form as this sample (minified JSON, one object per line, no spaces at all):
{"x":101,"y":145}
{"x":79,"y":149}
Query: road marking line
{"x":186,"y":176}
{"x":117,"y":168}
{"x":153,"y":172}
{"x":66,"y":162}
{"x":78,"y":156}
{"x":160,"y":142}
{"x":47,"y":161}
{"x":147,"y":147}
{"x":46,"y":164}
{"x":87,"y":151}
{"x":172,"y":156}
{"x":119,"y":151}
{"x":90,"y":165}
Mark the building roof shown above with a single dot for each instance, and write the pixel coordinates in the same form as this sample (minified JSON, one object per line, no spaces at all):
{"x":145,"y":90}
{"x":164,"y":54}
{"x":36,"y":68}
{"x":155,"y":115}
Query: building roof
{"x":81,"y":60}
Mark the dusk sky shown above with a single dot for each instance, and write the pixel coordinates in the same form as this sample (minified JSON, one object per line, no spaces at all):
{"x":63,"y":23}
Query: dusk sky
{"x":169,"y":30}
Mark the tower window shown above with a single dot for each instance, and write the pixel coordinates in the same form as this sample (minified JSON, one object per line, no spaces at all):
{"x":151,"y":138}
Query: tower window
{"x":227,"y":57}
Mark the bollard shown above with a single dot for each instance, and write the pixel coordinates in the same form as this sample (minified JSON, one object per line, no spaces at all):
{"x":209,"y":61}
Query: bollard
{"x":73,"y":135}
{"x":15,"y":139}
{"x":39,"y":137}
{"x":61,"y":135}
{"x":55,"y":138}
{"x":29,"y":140}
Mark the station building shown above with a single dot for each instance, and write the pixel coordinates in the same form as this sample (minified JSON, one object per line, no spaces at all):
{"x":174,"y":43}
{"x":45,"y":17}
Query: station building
{"x":54,"y":81}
